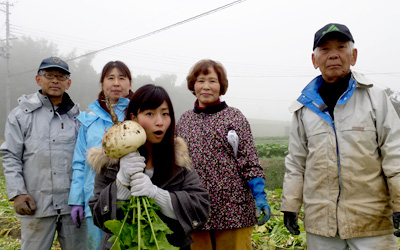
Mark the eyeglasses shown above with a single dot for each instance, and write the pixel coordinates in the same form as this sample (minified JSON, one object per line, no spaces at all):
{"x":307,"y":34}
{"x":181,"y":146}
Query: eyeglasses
{"x":52,"y":76}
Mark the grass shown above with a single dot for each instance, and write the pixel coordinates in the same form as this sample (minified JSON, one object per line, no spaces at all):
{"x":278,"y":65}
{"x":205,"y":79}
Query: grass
{"x":272,"y":235}
{"x":10,"y":228}
{"x":274,"y":170}
{"x":262,"y":239}
{"x":284,"y":140}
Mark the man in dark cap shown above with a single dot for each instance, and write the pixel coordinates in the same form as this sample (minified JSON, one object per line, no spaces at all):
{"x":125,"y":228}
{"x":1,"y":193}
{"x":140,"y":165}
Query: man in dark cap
{"x":40,"y":136}
{"x":344,"y":154}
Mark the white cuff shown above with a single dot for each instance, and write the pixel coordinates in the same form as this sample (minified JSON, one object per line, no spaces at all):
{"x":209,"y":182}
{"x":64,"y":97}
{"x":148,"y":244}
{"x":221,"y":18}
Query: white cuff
{"x":163,"y":199}
{"x":123,"y":193}
{"x":122,"y":179}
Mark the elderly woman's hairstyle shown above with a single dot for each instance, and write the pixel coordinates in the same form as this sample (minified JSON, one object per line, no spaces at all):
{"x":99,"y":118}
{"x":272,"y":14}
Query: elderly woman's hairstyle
{"x":201,"y":67}
{"x":116,"y":64}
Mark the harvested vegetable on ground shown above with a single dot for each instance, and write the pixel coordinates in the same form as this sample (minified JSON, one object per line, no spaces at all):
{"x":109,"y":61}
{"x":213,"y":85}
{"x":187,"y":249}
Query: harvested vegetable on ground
{"x":141,"y":227}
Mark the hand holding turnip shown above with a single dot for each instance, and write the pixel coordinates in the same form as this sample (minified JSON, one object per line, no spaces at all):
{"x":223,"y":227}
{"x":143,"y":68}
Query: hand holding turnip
{"x":118,"y":141}
{"x":130,"y":164}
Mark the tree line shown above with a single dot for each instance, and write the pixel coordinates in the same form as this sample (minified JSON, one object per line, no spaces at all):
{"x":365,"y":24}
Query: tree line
{"x":26,"y":55}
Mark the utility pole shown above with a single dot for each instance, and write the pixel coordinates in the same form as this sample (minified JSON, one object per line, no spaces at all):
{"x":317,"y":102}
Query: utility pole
{"x":7,"y":56}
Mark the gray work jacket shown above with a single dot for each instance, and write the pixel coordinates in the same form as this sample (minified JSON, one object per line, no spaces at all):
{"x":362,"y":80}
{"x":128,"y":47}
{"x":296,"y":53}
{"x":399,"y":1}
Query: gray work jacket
{"x":37,"y":152}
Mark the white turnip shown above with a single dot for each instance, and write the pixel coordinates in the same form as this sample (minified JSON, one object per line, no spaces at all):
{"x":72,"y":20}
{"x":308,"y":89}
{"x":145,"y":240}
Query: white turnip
{"x":123,"y":137}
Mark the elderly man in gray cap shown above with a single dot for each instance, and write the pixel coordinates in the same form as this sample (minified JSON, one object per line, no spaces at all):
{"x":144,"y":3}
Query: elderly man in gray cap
{"x":344,"y":154}
{"x":40,"y":136}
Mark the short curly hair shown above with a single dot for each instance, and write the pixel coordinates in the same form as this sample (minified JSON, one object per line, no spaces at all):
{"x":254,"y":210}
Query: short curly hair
{"x":201,"y":67}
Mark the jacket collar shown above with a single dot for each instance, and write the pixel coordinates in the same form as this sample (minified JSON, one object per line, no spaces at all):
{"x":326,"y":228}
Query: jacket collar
{"x":30,"y":103}
{"x":209,"y":109}
{"x":310,"y":92}
{"x":361,"y":80}
{"x":119,"y":109}
{"x":310,"y":97}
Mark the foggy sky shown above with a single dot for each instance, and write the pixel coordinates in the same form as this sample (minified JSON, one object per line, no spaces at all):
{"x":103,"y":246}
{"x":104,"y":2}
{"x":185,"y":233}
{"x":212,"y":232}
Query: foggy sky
{"x":265,"y":46}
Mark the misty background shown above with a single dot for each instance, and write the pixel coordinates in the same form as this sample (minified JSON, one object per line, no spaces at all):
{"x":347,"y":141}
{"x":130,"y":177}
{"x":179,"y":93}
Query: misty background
{"x":265,"y":47}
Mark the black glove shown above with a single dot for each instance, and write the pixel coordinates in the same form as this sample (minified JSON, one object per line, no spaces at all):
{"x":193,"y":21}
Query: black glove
{"x":290,"y":220}
{"x":396,"y":223}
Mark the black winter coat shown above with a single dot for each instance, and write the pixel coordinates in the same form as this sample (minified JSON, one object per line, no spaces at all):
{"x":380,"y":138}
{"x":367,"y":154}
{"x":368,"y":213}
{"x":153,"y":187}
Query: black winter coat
{"x":190,"y":200}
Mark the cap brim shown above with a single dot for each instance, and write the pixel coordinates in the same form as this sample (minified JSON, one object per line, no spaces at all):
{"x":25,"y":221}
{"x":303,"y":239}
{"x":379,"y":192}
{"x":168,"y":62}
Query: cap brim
{"x":333,"y":35}
{"x":55,"y":67}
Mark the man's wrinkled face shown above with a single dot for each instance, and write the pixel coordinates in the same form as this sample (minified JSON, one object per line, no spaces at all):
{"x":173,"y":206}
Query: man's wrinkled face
{"x":334,"y":58}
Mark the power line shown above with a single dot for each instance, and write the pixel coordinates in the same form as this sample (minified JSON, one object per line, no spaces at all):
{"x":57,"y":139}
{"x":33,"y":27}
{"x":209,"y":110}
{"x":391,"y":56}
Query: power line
{"x":149,"y":57}
{"x":161,"y":30}
{"x":149,"y":34}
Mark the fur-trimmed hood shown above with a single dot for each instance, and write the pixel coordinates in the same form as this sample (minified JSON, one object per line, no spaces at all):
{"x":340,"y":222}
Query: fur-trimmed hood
{"x":99,"y":160}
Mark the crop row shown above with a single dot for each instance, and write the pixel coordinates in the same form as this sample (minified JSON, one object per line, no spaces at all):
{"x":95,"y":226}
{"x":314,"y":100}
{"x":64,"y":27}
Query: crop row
{"x":270,"y":150}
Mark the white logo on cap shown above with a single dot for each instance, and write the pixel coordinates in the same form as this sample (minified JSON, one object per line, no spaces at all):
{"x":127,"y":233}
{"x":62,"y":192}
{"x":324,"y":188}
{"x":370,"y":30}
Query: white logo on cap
{"x":56,"y":60}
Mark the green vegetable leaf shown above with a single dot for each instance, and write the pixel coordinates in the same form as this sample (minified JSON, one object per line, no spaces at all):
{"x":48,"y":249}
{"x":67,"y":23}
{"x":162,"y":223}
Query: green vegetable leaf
{"x":141,"y":228}
{"x":113,"y":225}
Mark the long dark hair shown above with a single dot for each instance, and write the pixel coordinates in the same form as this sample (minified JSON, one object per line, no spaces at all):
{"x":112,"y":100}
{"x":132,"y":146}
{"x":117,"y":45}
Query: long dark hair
{"x":147,"y":97}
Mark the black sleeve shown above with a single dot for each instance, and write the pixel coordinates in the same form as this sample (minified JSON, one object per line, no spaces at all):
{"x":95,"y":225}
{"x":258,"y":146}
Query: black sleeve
{"x":103,"y":204}
{"x":191,"y":202}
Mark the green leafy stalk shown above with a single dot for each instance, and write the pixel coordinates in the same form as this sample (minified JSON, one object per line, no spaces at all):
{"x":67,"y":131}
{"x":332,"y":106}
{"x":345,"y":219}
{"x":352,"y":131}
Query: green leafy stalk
{"x":123,"y":223}
{"x":133,"y":211}
{"x":139,"y":216}
{"x":138,"y":232}
{"x":145,"y":201}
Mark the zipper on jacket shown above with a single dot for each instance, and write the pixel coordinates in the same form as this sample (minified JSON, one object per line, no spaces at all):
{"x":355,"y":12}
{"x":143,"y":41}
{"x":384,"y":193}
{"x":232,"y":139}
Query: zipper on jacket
{"x":338,"y":160}
{"x":337,"y":143}
{"x":59,"y":116}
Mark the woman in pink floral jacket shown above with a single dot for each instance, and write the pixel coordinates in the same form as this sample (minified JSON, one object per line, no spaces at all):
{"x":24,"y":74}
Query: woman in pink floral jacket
{"x":223,"y":152}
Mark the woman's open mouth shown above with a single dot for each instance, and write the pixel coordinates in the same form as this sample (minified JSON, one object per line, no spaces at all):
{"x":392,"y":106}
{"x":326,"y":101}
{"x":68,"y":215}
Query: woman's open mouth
{"x":158,"y":133}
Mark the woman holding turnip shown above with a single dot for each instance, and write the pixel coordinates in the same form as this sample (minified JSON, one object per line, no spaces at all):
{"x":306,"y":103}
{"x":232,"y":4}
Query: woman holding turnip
{"x":223,"y":153}
{"x":116,"y":84}
{"x":160,"y":170}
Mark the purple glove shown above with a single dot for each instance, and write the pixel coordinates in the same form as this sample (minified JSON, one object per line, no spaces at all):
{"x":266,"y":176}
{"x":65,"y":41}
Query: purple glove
{"x":77,"y":215}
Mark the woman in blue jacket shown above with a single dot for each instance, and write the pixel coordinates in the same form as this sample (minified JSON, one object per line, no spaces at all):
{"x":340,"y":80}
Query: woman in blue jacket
{"x":116,"y":84}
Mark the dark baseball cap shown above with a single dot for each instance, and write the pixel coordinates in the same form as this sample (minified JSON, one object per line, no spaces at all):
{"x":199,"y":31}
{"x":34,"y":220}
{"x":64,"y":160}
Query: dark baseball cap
{"x":54,"y":62}
{"x":332,"y":30}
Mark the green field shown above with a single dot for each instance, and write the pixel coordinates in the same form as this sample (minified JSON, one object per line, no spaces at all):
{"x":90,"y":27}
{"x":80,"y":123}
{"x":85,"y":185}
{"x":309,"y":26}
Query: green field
{"x":268,"y":236}
{"x":284,"y":140}
{"x":271,"y":236}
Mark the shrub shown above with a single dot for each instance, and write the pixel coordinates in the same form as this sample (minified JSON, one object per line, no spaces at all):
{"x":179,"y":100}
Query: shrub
{"x":270,"y":150}
{"x":274,"y":170}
